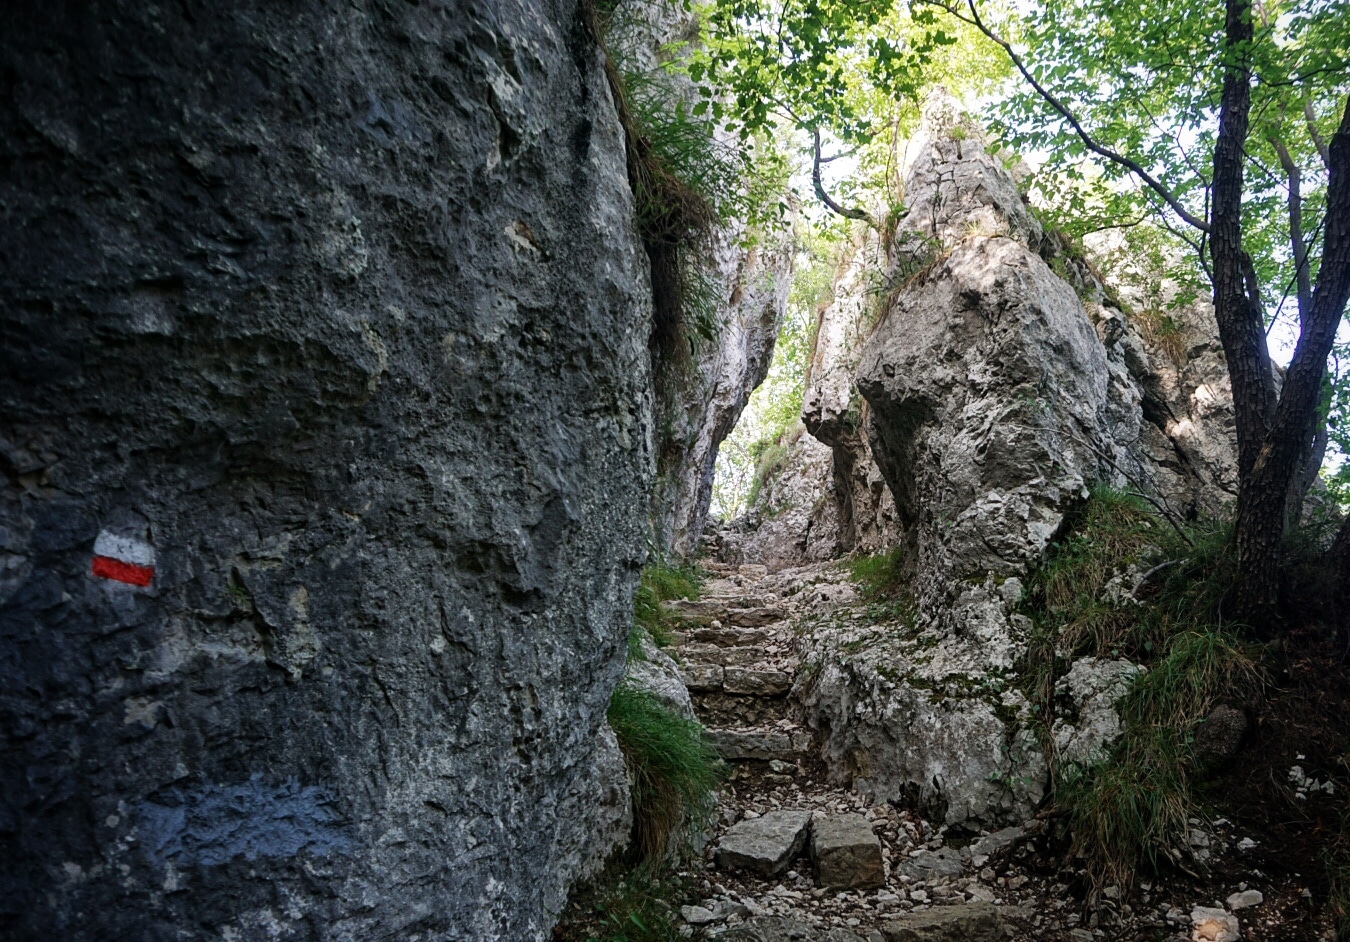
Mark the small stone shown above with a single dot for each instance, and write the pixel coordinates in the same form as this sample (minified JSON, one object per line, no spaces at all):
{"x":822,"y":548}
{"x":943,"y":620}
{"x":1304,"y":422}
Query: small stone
{"x":927,"y":864}
{"x":697,"y":915}
{"x":1214,"y":925}
{"x":1245,"y":899}
{"x":967,"y":922}
{"x":1080,"y":935}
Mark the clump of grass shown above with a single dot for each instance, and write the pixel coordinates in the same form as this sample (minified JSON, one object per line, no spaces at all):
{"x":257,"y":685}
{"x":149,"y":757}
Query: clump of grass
{"x":624,"y":905}
{"x":1164,"y":332}
{"x":1133,"y":809}
{"x":770,"y":456}
{"x":672,"y":768}
{"x":660,"y":583}
{"x":881,"y":577}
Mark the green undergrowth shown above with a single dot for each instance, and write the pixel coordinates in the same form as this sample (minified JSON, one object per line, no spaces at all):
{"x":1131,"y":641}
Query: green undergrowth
{"x":1125,"y":583}
{"x":686,"y":179}
{"x":625,"y":904}
{"x":672,"y":768}
{"x":769,"y":456}
{"x":881,"y":577}
{"x":660,"y":583}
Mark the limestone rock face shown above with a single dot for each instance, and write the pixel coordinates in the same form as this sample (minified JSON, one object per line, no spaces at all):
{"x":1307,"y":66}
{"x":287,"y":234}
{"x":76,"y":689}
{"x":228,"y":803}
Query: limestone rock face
{"x":702,"y":401}
{"x":834,"y":412}
{"x":1000,"y":382}
{"x":798,"y":518}
{"x":328,"y":324}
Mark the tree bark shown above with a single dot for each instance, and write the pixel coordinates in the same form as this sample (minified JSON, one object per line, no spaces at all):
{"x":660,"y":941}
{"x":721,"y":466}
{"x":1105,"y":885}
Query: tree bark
{"x":1265,"y":483}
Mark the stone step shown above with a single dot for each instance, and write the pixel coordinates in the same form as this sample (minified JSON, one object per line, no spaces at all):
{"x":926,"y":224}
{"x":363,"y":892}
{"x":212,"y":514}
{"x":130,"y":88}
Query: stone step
{"x":764,"y":845}
{"x":693,"y":653}
{"x":749,"y":743}
{"x":730,"y":711}
{"x":728,"y":637}
{"x":754,"y":617}
{"x":703,"y":677}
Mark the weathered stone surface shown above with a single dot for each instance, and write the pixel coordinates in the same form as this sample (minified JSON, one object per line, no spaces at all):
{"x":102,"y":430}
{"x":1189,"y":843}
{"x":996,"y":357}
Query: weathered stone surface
{"x":729,"y":637}
{"x":702,"y":677}
{"x":654,"y":671}
{"x":758,"y":683}
{"x":737,"y":744}
{"x":1219,"y":736}
{"x":991,"y":844}
{"x":797,"y":519}
{"x":340,"y":309}
{"x":1214,"y":925}
{"x":1087,"y":722}
{"x":764,"y":845}
{"x":964,"y":922}
{"x":845,"y":853}
{"x":943,"y":862}
{"x":834,"y":412}
{"x":997,"y":390}
{"x":753,"y":617}
{"x":1245,"y":900}
{"x":783,"y":929}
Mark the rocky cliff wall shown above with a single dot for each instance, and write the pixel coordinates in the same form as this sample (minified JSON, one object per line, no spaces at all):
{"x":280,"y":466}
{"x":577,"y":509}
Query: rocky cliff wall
{"x":1003,"y":382}
{"x":325,"y":431}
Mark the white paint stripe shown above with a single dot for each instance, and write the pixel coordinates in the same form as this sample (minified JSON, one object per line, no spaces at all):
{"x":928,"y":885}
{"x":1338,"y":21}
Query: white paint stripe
{"x":124,"y":548}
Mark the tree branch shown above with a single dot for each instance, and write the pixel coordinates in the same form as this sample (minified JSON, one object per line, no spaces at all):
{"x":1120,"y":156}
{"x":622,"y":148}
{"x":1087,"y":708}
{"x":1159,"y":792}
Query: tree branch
{"x":824,"y":197}
{"x":1320,"y":144}
{"x":1300,"y":248}
{"x":1087,"y":139}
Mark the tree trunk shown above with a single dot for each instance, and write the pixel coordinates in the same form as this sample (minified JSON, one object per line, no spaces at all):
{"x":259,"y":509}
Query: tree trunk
{"x":1267,"y":480}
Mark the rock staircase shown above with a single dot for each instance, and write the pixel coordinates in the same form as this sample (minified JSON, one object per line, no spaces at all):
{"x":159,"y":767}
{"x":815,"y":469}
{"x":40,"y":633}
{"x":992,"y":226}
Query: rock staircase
{"x":792,"y":855}
{"x":736,"y":659}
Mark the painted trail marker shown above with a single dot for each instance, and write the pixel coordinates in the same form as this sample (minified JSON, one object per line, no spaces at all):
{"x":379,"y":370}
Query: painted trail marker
{"x":122,"y":559}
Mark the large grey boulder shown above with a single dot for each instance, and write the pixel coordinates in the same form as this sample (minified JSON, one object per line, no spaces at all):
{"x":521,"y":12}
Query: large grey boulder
{"x":1000,"y":383}
{"x":846,"y":853}
{"x":764,"y":845}
{"x":334,"y":316}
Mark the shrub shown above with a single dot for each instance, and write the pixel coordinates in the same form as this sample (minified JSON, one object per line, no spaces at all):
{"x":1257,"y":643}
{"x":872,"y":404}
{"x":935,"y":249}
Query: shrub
{"x":672,"y":768}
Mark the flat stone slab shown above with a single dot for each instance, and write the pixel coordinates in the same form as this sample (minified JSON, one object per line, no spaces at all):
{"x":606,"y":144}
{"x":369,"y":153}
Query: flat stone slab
{"x":932,"y":863}
{"x":965,"y":922}
{"x":991,"y":844}
{"x":730,"y":637}
{"x":751,"y":682}
{"x":845,"y":853}
{"x":765,"y":845}
{"x":752,"y":617}
{"x":1214,"y":925}
{"x":783,"y":929}
{"x":741,"y":744}
{"x":702,"y":677}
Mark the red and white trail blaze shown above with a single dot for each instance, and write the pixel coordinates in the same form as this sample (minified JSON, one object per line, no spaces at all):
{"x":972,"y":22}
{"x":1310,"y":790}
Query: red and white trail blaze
{"x":122,"y":559}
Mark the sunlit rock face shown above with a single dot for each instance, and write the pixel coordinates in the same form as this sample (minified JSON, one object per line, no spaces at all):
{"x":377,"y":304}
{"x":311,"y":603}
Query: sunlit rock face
{"x":326,"y":434}
{"x":1000,"y":383}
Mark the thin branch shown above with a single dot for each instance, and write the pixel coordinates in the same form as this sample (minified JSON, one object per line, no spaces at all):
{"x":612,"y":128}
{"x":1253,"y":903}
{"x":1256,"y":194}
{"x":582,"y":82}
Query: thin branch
{"x":824,"y":197}
{"x":1296,"y":242}
{"x":1087,"y":139}
{"x":1321,"y":145}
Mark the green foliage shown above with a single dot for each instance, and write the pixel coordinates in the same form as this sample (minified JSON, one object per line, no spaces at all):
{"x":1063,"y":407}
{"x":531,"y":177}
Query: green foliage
{"x":881,"y":577}
{"x":1132,"y":810}
{"x":672,"y":768}
{"x":626,"y":904}
{"x":660,"y":583}
{"x":686,"y":179}
{"x":770,"y":457}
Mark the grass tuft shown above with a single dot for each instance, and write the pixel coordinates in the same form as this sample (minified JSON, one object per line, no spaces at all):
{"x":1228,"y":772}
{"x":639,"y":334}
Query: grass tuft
{"x":660,"y":583}
{"x":881,"y":577}
{"x":672,"y":768}
{"x":1123,"y":583}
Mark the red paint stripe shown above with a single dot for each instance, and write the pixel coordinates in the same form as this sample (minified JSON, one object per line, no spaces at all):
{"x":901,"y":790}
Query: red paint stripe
{"x":106,"y":567}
